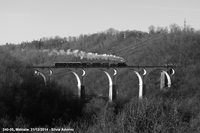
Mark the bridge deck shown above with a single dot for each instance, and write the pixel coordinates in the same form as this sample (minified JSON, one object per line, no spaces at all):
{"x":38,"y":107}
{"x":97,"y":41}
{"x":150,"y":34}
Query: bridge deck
{"x":171,"y":66}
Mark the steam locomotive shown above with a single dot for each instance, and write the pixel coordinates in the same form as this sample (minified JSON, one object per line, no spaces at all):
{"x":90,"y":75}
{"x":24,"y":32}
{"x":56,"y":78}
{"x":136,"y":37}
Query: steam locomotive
{"x":87,"y":64}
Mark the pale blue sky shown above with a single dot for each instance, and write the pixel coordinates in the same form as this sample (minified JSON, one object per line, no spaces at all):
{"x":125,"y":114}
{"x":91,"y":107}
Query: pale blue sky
{"x":26,"y":20}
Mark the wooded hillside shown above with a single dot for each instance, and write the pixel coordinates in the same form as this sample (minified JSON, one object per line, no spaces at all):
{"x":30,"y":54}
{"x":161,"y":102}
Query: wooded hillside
{"x":26,"y":102}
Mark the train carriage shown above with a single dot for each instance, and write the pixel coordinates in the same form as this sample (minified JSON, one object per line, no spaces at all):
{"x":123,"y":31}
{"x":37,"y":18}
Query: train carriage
{"x":87,"y":64}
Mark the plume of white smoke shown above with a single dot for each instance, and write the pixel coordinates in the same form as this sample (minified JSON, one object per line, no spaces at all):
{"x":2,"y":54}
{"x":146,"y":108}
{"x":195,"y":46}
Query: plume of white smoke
{"x":83,"y":54}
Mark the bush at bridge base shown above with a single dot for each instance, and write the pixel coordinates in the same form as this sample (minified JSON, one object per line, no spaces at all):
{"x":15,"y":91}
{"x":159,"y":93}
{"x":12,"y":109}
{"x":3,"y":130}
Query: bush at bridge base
{"x":152,"y":116}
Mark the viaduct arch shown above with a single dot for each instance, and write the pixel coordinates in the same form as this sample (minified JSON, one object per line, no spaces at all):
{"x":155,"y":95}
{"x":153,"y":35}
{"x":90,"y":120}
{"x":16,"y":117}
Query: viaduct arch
{"x":111,"y":73}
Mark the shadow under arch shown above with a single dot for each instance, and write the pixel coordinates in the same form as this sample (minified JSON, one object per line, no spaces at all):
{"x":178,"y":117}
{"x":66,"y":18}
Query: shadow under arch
{"x":108,"y":74}
{"x":165,"y":79}
{"x":41,"y":74}
{"x":130,"y":83}
{"x":77,"y":81}
{"x":140,"y":82}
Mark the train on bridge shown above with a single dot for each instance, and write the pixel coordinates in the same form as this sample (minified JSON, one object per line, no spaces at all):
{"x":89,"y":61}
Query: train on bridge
{"x":87,"y":64}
